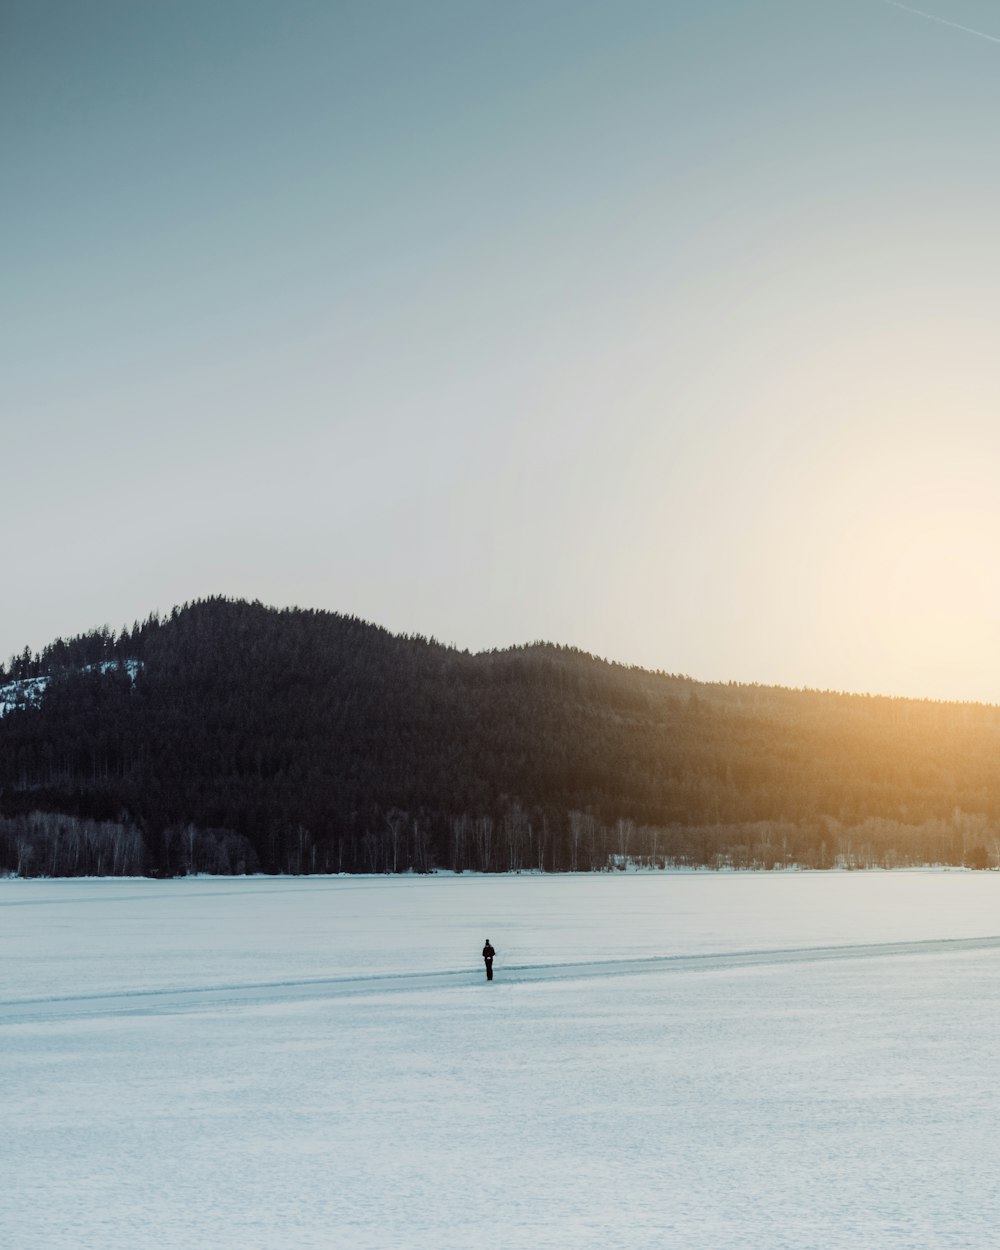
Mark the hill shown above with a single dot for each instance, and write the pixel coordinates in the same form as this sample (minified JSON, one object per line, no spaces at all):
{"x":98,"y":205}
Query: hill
{"x":230,"y":736}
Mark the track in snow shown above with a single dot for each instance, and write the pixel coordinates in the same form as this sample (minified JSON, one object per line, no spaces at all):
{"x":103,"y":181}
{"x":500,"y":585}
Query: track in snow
{"x":211,"y":997}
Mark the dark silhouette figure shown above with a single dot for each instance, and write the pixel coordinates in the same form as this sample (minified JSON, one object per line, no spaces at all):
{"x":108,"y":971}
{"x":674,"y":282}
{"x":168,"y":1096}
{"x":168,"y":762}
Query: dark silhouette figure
{"x":488,"y":953}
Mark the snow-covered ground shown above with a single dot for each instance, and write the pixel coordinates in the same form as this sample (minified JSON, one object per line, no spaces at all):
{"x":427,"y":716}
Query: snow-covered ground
{"x":690,"y":1060}
{"x":25,"y":693}
{"x":29,"y":691}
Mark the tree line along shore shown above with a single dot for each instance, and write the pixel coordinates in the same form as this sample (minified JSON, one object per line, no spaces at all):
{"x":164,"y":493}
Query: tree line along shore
{"x":229,"y":737}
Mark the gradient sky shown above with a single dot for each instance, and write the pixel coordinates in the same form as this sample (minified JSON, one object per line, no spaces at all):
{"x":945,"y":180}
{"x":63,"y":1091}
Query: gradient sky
{"x":669,"y":330}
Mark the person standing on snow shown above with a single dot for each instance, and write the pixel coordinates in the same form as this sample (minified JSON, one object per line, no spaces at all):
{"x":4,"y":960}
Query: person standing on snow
{"x":488,"y":954}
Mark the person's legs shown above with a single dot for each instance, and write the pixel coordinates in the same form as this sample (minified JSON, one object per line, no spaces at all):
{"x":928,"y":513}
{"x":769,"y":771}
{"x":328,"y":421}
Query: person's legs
{"x":489,"y":970}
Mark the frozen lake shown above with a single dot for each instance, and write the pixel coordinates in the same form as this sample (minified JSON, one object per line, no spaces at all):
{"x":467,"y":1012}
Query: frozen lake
{"x":691,"y":1061}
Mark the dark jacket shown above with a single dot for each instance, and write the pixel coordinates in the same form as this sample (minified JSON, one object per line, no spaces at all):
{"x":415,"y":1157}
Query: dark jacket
{"x":488,"y":951}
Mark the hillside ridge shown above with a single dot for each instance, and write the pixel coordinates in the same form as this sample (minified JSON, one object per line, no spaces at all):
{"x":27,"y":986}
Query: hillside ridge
{"x":228,"y":736}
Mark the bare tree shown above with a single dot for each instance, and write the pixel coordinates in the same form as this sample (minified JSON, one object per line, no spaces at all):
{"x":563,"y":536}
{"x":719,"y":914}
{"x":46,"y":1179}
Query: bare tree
{"x":482,"y":835}
{"x":370,"y":849}
{"x":577,"y":827}
{"x":395,"y":821}
{"x":624,"y":839}
{"x":420,"y":858}
{"x":459,"y":828}
{"x":516,"y":828}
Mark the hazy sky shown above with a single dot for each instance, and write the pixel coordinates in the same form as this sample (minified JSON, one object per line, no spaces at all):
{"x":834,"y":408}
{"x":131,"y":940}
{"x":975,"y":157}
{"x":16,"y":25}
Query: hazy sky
{"x":670,"y":330}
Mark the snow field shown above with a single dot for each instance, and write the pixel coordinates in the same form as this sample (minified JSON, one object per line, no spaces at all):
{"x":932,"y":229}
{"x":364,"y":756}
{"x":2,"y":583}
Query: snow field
{"x":811,"y":1103}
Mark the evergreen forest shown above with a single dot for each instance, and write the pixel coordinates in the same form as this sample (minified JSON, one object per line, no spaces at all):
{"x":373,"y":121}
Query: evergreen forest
{"x":230,"y":737}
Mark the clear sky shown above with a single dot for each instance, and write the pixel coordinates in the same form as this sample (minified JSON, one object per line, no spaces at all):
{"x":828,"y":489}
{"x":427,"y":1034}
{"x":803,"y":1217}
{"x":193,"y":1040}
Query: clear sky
{"x":667,"y":329}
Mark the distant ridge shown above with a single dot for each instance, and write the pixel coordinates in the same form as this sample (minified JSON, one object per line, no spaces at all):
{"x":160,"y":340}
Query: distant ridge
{"x":229,"y":736}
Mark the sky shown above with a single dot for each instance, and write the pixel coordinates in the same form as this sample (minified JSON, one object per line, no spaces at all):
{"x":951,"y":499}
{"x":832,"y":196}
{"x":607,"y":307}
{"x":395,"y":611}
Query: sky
{"x":667,"y":330}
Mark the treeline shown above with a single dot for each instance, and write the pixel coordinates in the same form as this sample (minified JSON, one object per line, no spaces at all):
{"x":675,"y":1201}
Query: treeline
{"x":48,"y":844}
{"x":89,"y":650}
{"x":52,"y":844}
{"x":230,"y":737}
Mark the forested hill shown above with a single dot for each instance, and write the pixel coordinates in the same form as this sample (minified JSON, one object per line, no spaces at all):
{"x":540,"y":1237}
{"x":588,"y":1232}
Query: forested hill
{"x":232,"y":737}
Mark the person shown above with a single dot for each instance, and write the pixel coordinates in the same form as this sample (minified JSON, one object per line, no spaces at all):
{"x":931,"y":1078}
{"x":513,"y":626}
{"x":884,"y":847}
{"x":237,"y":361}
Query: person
{"x":488,"y":954}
